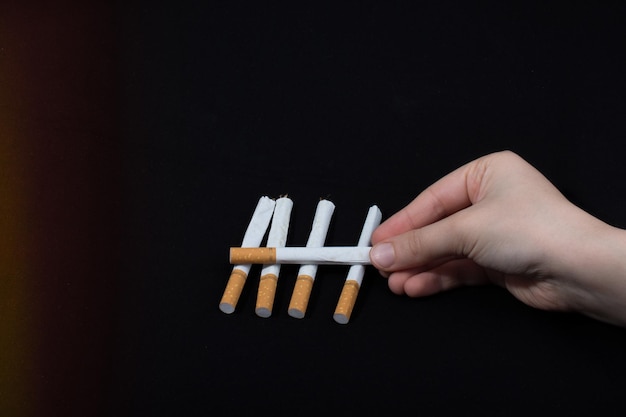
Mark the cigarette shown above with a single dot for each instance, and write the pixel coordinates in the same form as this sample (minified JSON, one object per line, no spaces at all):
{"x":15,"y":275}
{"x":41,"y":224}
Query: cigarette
{"x":252,"y":237}
{"x":327,"y":255}
{"x":277,"y":238}
{"x":354,"y":279}
{"x":306,"y":274}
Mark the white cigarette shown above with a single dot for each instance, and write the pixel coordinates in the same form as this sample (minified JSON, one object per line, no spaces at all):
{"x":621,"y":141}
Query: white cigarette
{"x":277,"y":237}
{"x":319,"y":230}
{"x":372,"y":221}
{"x":306,"y":274}
{"x":350,"y":290}
{"x":252,"y":237}
{"x":327,"y":255}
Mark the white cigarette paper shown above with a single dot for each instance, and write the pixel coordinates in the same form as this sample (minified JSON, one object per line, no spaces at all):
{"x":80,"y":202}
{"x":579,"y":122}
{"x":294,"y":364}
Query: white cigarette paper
{"x":372,"y":221}
{"x":277,"y":237}
{"x":252,"y":238}
{"x":354,"y":278}
{"x":319,"y":230}
{"x":306,"y":274}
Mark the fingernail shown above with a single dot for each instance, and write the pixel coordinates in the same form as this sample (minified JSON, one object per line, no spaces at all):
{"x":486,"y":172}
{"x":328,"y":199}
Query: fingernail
{"x":383,"y":255}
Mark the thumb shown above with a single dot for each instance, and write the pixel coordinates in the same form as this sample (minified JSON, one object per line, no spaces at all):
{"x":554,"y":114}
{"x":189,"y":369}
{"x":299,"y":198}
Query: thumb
{"x":427,"y":246}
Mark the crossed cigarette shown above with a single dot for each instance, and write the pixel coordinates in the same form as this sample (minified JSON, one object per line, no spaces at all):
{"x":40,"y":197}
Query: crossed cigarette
{"x":315,"y":253}
{"x":327,"y":255}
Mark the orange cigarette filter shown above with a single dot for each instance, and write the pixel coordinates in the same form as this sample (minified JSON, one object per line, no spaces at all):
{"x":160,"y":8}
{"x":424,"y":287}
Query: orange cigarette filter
{"x":265,"y":295}
{"x":253,"y":255}
{"x":300,"y":296}
{"x":233,"y":290}
{"x":346,"y":302}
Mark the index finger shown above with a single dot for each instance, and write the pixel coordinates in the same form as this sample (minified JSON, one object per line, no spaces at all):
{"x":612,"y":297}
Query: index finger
{"x":451,"y":193}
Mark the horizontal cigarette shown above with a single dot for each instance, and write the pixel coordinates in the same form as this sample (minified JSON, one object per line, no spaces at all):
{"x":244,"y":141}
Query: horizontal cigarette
{"x":328,"y":255}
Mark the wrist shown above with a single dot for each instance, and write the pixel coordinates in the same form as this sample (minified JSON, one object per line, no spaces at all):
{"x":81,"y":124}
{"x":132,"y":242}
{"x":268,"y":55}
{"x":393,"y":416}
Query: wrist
{"x":597,"y":274}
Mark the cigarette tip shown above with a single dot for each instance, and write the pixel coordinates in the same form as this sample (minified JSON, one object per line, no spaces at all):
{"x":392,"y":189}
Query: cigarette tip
{"x":341,"y":318}
{"x":296,"y":313}
{"x":263,"y":312}
{"x":227,"y":308}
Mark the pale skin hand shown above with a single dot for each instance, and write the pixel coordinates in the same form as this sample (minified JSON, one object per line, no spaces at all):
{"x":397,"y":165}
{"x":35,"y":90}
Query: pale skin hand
{"x":499,"y":220}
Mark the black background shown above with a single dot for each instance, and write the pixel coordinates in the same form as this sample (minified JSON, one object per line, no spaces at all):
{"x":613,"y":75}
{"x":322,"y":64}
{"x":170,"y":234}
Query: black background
{"x":148,"y":131}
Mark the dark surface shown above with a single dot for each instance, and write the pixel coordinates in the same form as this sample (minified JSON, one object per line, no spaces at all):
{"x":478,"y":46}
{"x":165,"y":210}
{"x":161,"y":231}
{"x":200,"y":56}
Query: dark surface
{"x":144,"y":135}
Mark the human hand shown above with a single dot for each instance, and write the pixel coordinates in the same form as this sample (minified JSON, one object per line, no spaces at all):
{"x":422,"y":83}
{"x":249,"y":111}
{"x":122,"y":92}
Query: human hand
{"x":499,"y":220}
